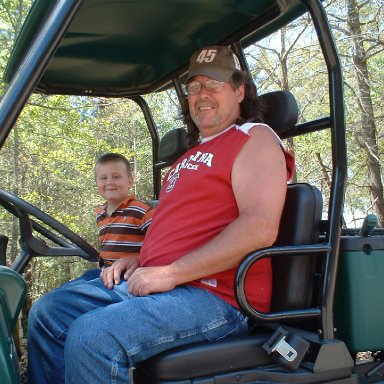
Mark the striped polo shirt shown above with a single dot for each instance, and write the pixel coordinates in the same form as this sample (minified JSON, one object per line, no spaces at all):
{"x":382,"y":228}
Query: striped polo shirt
{"x":122,"y":233}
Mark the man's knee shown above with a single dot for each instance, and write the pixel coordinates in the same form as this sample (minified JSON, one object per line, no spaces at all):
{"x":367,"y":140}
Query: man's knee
{"x":83,"y":333}
{"x":41,"y":309}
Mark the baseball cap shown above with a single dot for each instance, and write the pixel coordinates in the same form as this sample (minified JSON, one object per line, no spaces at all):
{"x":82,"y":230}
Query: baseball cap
{"x":217,"y":62}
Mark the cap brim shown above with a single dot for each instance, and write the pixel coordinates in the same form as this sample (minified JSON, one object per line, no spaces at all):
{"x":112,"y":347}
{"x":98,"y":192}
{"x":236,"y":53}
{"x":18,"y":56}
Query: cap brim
{"x":213,"y":73}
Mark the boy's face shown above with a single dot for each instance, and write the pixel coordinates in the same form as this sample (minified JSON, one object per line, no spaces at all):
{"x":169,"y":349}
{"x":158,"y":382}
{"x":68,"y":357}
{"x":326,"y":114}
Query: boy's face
{"x":113,"y":182}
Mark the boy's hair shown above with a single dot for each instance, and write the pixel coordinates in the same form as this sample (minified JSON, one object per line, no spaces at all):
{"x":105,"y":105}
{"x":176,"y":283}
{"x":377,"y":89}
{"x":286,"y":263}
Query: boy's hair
{"x":114,"y":157}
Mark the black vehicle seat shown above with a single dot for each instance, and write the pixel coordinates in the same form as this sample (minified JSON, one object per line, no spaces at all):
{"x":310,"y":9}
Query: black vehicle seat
{"x":292,"y":287}
{"x":292,"y":279}
{"x":172,"y":145}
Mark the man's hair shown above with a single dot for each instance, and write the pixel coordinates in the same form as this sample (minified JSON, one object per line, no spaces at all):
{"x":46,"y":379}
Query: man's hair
{"x":251,"y":108}
{"x":111,"y":157}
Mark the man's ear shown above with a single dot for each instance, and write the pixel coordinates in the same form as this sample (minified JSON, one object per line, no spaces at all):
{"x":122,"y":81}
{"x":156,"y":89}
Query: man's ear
{"x":240,"y":93}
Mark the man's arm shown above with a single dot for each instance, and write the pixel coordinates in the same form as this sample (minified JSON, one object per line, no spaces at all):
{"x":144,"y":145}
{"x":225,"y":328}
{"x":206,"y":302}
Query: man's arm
{"x":259,"y":183}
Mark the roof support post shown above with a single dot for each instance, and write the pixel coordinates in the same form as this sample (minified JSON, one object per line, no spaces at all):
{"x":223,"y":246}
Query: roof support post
{"x":339,"y":156}
{"x":34,"y":63}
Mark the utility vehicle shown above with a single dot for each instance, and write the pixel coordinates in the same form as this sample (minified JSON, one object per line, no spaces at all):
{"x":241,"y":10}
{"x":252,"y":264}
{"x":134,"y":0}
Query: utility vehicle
{"x":127,"y":49}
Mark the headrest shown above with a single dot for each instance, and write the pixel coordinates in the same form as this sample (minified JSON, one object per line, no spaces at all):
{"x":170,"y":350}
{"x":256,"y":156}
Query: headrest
{"x":281,"y":110}
{"x":172,"y":145}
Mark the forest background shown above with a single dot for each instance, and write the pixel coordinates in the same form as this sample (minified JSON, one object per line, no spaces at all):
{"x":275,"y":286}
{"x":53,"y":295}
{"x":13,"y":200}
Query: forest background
{"x":49,"y":158}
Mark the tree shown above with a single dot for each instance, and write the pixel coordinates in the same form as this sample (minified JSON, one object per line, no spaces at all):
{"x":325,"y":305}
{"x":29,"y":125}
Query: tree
{"x":290,"y":60}
{"x":358,"y":27}
{"x":366,"y":133}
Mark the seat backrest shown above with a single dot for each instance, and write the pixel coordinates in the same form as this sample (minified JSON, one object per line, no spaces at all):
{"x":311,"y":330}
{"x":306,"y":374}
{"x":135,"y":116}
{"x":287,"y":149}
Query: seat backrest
{"x":172,"y":145}
{"x":281,"y":111}
{"x":12,"y":293}
{"x":293,"y":276}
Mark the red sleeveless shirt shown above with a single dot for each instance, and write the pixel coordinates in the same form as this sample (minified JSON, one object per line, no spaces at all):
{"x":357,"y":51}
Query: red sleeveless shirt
{"x":196,"y":203}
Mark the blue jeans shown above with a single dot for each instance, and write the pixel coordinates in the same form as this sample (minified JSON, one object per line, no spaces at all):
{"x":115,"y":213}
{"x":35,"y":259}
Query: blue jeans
{"x":91,"y":274}
{"x":85,"y":333}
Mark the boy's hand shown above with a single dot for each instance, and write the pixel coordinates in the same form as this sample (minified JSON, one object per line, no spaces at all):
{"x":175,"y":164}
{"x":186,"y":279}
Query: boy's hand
{"x":120,"y":268}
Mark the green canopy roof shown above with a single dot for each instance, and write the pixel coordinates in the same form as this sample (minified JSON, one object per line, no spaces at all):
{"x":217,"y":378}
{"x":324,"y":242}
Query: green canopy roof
{"x":131,"y":47}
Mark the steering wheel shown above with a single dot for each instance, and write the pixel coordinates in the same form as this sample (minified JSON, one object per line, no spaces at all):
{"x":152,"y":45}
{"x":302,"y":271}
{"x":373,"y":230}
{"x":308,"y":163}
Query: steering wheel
{"x":70,"y":244}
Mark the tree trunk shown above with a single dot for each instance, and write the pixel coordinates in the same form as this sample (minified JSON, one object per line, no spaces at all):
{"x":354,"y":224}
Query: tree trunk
{"x":366,"y":134}
{"x":285,"y":86}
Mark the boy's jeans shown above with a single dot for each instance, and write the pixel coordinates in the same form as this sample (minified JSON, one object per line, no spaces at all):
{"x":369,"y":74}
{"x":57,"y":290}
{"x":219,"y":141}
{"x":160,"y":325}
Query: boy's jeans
{"x":97,"y":334}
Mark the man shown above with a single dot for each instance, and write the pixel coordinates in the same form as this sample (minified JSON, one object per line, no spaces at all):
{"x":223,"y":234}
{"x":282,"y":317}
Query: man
{"x":219,"y":201}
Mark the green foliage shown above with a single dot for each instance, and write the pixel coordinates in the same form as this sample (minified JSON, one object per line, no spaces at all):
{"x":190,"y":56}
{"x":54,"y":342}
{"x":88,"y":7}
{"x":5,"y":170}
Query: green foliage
{"x":58,"y":141}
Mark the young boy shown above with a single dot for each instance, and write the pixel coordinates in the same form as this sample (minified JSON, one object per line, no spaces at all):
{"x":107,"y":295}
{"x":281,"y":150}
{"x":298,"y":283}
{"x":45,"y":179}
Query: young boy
{"x":123,"y":220}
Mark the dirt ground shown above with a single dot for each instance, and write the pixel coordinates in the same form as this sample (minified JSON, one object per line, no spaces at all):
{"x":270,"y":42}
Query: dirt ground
{"x":23,"y":361}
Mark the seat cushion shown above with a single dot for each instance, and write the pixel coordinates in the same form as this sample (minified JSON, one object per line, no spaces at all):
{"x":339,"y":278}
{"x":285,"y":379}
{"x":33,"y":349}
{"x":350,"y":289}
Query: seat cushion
{"x":202,"y":359}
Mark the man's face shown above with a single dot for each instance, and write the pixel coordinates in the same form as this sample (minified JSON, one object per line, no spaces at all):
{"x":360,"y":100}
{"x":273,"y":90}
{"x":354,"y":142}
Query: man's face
{"x":213,"y":112}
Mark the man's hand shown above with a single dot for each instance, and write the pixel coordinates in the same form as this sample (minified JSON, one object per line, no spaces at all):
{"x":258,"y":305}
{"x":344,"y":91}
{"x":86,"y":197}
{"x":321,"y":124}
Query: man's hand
{"x":120,"y":268}
{"x":147,"y":280}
